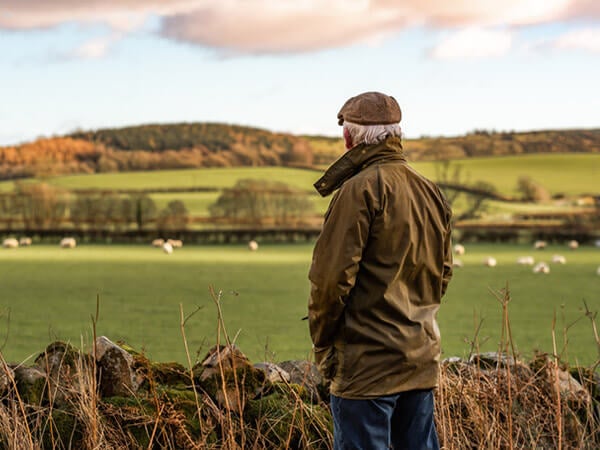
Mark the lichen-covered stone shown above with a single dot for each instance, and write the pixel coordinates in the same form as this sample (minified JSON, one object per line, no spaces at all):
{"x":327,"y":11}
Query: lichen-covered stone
{"x":31,"y":384}
{"x":306,"y":374}
{"x":273,"y":372}
{"x":220,"y":358}
{"x":117,"y":375}
{"x":62,"y":363}
{"x":570,"y":388}
{"x":227,"y":375}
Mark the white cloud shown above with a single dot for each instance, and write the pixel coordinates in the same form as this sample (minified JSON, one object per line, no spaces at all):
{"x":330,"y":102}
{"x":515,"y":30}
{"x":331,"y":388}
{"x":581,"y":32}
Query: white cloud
{"x":289,"y":27}
{"x":585,"y":39}
{"x":278,"y":26}
{"x":474,"y":43}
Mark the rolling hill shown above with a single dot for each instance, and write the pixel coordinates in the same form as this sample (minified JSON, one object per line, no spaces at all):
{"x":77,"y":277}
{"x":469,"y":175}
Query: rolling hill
{"x":199,"y":145}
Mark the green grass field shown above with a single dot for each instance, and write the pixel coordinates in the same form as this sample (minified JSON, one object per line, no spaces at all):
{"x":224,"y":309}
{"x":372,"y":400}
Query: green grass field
{"x":566,"y":173}
{"x":186,"y":178}
{"x":50,"y":293}
{"x":570,"y":174}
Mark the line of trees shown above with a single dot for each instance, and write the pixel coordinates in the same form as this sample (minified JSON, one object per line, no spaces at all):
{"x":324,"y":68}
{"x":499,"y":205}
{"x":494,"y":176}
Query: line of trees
{"x":39,"y":206}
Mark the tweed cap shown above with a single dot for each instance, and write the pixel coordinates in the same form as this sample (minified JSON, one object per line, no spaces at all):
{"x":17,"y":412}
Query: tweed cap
{"x":370,"y":108}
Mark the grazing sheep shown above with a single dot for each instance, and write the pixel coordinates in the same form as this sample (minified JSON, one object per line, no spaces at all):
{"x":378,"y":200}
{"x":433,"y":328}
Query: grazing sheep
{"x":158,"y":242}
{"x":175,"y":243}
{"x":559,"y":259}
{"x":597,"y":243}
{"x":573,"y":245}
{"x":10,"y":243}
{"x":25,"y":241}
{"x":457,"y":263}
{"x":525,"y":260}
{"x":167,"y":248}
{"x":541,"y":267}
{"x":253,"y":246}
{"x":598,"y":271}
{"x":68,"y":242}
{"x":459,"y":249}
{"x":540,"y":245}
{"x":490,"y":262}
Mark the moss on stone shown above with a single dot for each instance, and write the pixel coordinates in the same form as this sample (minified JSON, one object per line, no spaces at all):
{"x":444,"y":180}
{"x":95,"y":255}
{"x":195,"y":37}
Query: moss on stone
{"x":170,"y":373}
{"x":248,"y":379}
{"x":69,"y":355}
{"x":129,"y":349}
{"x":177,"y":392}
{"x":34,"y":393}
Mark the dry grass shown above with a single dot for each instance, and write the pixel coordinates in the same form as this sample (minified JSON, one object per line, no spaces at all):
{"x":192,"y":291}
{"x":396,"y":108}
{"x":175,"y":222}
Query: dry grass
{"x":473,"y":409}
{"x":502,"y":404}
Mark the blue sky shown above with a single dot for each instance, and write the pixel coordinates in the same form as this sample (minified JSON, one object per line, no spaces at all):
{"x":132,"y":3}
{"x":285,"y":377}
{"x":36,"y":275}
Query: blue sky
{"x":288,"y":66}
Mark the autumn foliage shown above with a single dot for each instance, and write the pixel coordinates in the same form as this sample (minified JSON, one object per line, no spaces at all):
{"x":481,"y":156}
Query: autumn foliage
{"x":154,"y":147}
{"x":196,"y":145}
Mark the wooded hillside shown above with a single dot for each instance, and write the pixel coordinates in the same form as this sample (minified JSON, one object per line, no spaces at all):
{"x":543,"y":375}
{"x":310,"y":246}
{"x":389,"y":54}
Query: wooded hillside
{"x":194,"y":145}
{"x":484,"y":143}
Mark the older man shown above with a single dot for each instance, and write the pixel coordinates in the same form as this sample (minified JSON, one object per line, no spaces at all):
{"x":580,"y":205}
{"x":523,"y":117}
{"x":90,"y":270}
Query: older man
{"x":380,"y":268}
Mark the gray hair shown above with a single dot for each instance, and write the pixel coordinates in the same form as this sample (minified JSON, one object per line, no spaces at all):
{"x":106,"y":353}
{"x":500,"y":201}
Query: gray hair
{"x":371,"y":134}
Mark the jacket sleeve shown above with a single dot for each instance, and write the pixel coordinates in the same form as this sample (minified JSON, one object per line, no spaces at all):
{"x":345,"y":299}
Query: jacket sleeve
{"x":448,"y":263}
{"x":336,"y":260}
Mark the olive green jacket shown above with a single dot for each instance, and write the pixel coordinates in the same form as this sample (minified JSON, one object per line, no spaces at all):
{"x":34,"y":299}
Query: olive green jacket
{"x":379,"y":270}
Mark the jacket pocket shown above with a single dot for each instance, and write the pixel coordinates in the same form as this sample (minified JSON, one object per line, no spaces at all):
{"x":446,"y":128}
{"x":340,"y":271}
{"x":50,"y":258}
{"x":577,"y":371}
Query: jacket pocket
{"x":326,"y":360}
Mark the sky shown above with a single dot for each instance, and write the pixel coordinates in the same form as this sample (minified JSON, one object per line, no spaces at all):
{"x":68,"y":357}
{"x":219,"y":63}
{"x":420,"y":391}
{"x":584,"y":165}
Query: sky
{"x":289,"y":65}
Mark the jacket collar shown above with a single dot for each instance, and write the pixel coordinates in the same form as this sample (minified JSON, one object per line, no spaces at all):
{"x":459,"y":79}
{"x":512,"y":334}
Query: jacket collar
{"x":356,"y":159}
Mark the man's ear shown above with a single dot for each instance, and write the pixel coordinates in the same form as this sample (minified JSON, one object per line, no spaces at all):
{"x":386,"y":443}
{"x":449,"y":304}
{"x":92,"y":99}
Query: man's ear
{"x":347,"y":138}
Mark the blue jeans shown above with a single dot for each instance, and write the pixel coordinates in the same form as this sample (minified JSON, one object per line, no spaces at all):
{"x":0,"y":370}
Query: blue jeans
{"x":399,"y":421}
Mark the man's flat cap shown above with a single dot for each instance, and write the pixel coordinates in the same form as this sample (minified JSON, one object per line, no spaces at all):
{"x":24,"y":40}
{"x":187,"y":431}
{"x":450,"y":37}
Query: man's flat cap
{"x":370,"y":108}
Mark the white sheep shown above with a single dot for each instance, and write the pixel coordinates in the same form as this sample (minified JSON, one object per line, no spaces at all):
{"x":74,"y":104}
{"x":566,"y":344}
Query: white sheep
{"x":459,"y":249}
{"x":253,"y":246}
{"x":540,"y":245}
{"x":10,"y":243}
{"x":541,"y":267}
{"x":597,"y":243}
{"x":573,"y":245}
{"x":25,"y":241}
{"x":490,"y":261}
{"x":158,"y":242}
{"x":598,"y":271}
{"x":457,"y":263}
{"x":525,"y":260}
{"x":68,"y":242}
{"x":559,"y":259}
{"x":167,"y":248}
{"x":175,"y":243}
